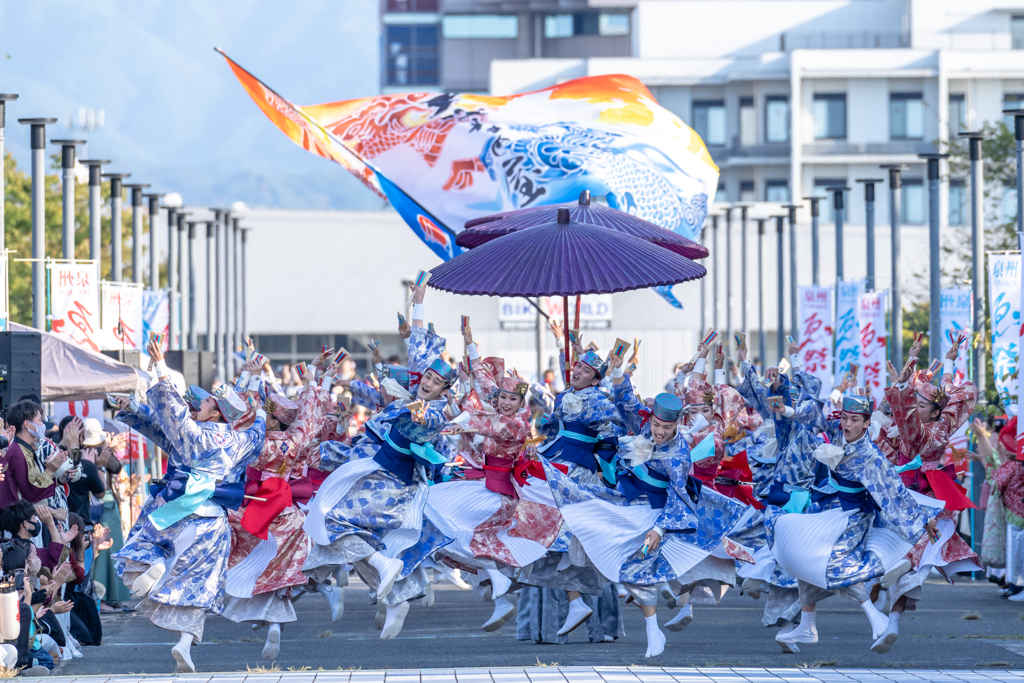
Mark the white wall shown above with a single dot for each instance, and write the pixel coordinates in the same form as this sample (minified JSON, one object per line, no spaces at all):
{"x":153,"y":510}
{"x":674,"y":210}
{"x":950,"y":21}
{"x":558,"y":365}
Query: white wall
{"x":963,"y":25}
{"x":748,"y":27}
{"x":867,"y":110}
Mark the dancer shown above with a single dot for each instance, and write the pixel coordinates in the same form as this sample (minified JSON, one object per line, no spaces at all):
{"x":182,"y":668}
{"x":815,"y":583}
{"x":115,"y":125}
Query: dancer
{"x":369,"y":510}
{"x":853,"y":534}
{"x":926,"y":417}
{"x":176,"y":558}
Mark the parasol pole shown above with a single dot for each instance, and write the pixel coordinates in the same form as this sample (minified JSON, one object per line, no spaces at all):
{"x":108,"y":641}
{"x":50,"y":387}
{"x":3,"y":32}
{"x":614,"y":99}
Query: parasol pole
{"x":565,"y":331}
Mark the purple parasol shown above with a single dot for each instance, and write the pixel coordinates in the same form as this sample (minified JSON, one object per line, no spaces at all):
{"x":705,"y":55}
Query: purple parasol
{"x":482,"y":230}
{"x":563,"y":258}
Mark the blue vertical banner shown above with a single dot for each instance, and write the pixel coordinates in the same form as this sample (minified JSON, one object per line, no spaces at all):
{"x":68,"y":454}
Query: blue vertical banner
{"x":848,"y":294}
{"x":1004,"y":283}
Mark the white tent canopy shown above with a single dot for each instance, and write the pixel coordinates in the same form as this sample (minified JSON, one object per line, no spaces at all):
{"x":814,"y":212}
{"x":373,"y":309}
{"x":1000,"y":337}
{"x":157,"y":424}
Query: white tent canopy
{"x":71,"y":373}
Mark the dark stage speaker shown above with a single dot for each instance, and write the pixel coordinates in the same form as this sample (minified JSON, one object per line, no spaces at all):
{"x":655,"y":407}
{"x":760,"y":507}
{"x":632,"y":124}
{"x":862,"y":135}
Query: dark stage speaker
{"x":132,"y":358}
{"x":196,"y":366}
{"x":21,"y":356}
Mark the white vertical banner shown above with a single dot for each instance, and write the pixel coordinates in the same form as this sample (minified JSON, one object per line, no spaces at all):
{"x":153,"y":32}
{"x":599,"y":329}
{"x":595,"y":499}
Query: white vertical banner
{"x":873,"y":340}
{"x":1004,"y":295}
{"x":83,"y":409}
{"x":74,"y":303}
{"x":816,"y":334}
{"x":156,"y":316}
{"x":848,"y":294}
{"x":121,"y":316}
{"x":955,"y":320}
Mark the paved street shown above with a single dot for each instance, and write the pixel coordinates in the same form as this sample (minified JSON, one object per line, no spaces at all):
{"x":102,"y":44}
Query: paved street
{"x":957,"y":627}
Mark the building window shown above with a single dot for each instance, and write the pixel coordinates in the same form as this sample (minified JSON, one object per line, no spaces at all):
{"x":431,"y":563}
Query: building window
{"x":1017,"y":32}
{"x":480,"y":26}
{"x":830,"y":117}
{"x":912,"y":201}
{"x":906,"y":116}
{"x":1012,"y":101}
{"x":411,"y":6}
{"x":777,"y":191}
{"x":614,"y":25}
{"x":957,"y":202}
{"x":825,"y":209}
{"x":957,"y":115}
{"x":586,"y":24}
{"x":748,"y":122}
{"x":709,"y":121}
{"x":776,"y":119}
{"x":412,"y":55}
{"x":747,"y":191}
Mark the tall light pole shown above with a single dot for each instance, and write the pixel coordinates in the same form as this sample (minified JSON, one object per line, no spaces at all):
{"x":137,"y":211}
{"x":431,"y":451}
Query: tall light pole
{"x":229,"y":306}
{"x":116,"y":264}
{"x":38,"y":140}
{"x":714,"y":274}
{"x":154,"y":249}
{"x":760,"y":294}
{"x":743,"y":267}
{"x":245,"y":307}
{"x":172,"y":276}
{"x":211,"y":276}
{"x":192,"y":335}
{"x":896,"y":325}
{"x":935,"y":292}
{"x":869,"y":227}
{"x":727,"y":309}
{"x":4,"y":99}
{"x":814,"y":239}
{"x":1018,"y":135}
{"x":96,"y":210}
{"x":184,"y":283}
{"x":794,"y":324}
{"x":236,"y":270}
{"x":136,"y":195}
{"x":978,"y":252}
{"x":781,"y":329}
{"x":218,"y":343}
{"x":839,"y":209}
{"x":67,"y":165}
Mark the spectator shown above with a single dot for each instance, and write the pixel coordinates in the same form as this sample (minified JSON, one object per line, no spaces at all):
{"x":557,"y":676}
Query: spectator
{"x":95,"y":456}
{"x":104,"y":571}
{"x":29,"y":475}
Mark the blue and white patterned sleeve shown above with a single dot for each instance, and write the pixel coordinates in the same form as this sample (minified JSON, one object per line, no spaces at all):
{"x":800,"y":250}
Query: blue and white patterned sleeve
{"x":424,"y":348}
{"x":364,"y":394}
{"x":250,"y":442}
{"x":628,"y":406}
{"x":170,"y":412}
{"x":899,"y":512}
{"x":144,"y":422}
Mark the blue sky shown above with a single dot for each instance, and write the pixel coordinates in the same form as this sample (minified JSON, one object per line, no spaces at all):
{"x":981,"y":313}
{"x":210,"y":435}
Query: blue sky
{"x":175,"y":116}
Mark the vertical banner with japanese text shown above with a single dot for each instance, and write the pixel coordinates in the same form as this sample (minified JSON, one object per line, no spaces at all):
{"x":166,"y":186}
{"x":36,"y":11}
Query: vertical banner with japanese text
{"x":156,"y":316}
{"x":873,"y":341}
{"x":848,"y":294}
{"x":955,"y":319}
{"x":121,"y":316}
{"x":74,"y":303}
{"x":1004,"y":284}
{"x":816,"y":334}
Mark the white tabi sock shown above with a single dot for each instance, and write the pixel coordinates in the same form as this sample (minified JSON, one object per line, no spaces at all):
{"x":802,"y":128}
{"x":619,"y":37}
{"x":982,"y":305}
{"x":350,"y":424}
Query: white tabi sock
{"x":655,"y":638}
{"x":878,"y":621}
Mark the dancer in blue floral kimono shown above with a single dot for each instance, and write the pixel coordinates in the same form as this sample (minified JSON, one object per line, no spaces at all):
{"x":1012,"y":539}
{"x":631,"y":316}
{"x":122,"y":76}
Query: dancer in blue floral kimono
{"x":369,"y":511}
{"x":176,"y":559}
{"x":861,"y":523}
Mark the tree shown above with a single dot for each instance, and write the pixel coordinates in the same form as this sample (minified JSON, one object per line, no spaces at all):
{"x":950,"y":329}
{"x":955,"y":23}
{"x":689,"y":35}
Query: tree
{"x":18,"y":230}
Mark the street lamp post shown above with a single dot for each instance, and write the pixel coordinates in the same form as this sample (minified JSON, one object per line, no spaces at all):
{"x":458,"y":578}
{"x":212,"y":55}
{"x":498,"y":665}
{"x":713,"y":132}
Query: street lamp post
{"x":839,"y":209}
{"x":38,"y":140}
{"x":760,"y":294}
{"x":793,"y":322}
{"x":116,"y":265}
{"x":4,"y":99}
{"x":978,"y":251}
{"x":229,"y":287}
{"x":192,"y":346}
{"x":211,"y":276}
{"x":172,"y":276}
{"x":154,"y":262}
{"x":1018,"y":135}
{"x":236,"y":269}
{"x":934,"y":289}
{"x":714,"y":274}
{"x":727,"y":309}
{"x":245,"y":307}
{"x":869,"y":228}
{"x":136,"y":190}
{"x":896,"y":325}
{"x":814,"y":239}
{"x":95,"y":209}
{"x":184,"y":283}
{"x":67,"y":165}
{"x":779,"y":223}
{"x":743,"y":267}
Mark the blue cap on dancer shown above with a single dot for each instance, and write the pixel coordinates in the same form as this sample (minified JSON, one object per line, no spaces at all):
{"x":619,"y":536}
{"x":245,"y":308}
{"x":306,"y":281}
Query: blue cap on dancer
{"x":667,"y":407}
{"x":858,"y":405}
{"x":444,"y":371}
{"x":595,"y":362}
{"x":195,"y":395}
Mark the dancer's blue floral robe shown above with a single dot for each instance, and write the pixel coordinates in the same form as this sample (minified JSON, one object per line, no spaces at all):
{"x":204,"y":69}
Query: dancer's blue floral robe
{"x":197,"y":577}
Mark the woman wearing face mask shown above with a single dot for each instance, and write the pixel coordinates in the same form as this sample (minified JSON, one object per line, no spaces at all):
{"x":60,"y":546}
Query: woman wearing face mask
{"x":483,"y":505}
{"x":926,"y":417}
{"x":373,"y":499}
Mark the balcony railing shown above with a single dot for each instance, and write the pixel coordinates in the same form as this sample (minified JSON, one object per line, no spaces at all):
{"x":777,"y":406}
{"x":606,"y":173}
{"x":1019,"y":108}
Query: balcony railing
{"x":842,"y":41}
{"x":902,"y":147}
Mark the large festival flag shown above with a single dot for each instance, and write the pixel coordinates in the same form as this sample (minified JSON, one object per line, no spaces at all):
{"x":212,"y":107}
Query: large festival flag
{"x":1004,"y":285}
{"x":442,"y":159}
{"x":816,"y":334}
{"x":848,"y":294}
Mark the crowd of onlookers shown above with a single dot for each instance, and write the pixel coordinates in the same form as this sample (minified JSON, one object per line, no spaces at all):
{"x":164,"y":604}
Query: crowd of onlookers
{"x":62,"y":494}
